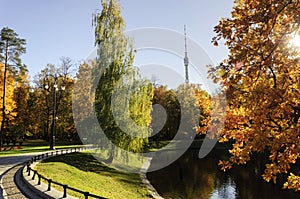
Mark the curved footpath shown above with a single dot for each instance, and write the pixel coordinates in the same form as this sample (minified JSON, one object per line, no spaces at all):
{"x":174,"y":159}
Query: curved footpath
{"x":13,"y":175}
{"x":15,"y":185}
{"x":9,"y":176}
{"x":8,"y":184}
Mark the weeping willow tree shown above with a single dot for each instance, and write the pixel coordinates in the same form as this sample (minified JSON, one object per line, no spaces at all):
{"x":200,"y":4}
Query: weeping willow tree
{"x":122,"y":98}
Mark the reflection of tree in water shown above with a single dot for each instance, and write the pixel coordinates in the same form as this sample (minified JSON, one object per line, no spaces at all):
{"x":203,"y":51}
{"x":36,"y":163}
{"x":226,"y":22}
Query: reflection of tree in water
{"x":250,"y":184}
{"x":224,"y":190}
{"x":192,"y":178}
{"x":188,"y":177}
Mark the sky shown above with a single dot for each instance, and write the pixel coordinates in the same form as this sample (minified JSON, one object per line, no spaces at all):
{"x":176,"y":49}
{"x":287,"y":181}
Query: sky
{"x":56,"y":28}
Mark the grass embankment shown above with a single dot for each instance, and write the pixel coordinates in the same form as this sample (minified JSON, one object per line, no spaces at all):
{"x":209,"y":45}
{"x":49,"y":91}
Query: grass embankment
{"x":82,"y":171}
{"x":31,"y":146}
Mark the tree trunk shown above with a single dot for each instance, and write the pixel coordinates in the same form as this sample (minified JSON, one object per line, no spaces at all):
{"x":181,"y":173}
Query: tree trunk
{"x":4,"y":95}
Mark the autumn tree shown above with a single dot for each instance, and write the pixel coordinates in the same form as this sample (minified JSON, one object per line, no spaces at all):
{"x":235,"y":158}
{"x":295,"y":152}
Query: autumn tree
{"x":83,"y":91}
{"x":114,"y":66}
{"x":170,"y":108}
{"x":65,"y":123}
{"x":43,"y":101}
{"x":33,"y":114}
{"x":9,"y":102}
{"x":261,"y":79}
{"x":50,"y":78}
{"x":83,"y":100}
{"x":20,"y":122}
{"x":189,"y":96}
{"x":11,"y":48}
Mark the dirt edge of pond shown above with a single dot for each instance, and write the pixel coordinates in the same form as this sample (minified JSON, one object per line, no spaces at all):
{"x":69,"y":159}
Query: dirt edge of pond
{"x":145,"y":180}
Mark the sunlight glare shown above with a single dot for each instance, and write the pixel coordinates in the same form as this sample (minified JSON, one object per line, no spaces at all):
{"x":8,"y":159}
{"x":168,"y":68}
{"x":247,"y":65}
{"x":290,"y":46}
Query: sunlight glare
{"x":295,"y":42}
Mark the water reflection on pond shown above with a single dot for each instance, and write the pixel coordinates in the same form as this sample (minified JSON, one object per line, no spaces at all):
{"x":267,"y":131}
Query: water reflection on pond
{"x":193,"y":178}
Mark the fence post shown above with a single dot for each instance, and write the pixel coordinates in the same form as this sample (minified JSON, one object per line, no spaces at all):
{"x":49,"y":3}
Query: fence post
{"x":49,"y":185}
{"x":29,"y":171}
{"x":28,"y":166}
{"x":65,"y":191}
{"x":86,"y":195}
{"x":39,"y":176}
{"x":34,"y":173}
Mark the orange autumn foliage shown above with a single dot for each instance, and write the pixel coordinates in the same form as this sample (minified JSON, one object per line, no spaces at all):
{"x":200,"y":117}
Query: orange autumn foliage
{"x":261,"y":77}
{"x":10,"y":103}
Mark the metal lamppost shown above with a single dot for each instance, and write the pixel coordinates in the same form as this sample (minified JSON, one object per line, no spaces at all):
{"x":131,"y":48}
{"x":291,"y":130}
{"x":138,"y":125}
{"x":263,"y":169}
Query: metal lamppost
{"x":55,"y":89}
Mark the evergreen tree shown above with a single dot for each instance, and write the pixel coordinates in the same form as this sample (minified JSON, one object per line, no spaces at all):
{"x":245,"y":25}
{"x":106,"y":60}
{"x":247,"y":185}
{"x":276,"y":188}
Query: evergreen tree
{"x":11,"y":47}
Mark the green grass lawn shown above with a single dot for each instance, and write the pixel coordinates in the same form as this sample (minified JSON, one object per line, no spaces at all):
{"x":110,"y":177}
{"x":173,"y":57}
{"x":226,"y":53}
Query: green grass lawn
{"x":31,"y":146}
{"x":82,"y":171}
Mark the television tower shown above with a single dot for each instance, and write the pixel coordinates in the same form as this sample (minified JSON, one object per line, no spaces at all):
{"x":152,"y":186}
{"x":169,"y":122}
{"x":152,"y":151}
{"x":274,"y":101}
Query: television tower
{"x":186,"y":59}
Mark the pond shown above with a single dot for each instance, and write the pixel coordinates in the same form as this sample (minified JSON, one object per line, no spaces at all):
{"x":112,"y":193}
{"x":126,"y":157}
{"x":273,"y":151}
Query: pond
{"x":192,"y":178}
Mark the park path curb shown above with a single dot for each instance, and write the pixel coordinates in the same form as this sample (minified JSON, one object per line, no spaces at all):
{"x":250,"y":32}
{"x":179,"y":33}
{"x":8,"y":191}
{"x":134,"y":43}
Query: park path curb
{"x":41,"y":189}
{"x":21,"y":184}
{"x":145,"y":180}
{"x":3,"y":194}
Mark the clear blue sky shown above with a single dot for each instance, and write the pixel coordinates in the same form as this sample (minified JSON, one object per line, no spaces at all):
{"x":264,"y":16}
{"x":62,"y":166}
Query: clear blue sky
{"x":55,"y":28}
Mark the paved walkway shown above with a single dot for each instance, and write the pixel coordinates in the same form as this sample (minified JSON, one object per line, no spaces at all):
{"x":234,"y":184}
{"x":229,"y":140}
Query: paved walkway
{"x":9,"y":185}
{"x":8,"y":162}
{"x":8,"y":169}
{"x":11,"y":169}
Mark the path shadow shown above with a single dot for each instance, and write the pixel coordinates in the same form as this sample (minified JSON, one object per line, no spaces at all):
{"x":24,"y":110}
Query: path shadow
{"x":86,"y":162}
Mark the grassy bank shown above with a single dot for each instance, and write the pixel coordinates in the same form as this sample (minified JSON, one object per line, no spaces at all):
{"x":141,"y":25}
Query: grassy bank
{"x":84,"y":172}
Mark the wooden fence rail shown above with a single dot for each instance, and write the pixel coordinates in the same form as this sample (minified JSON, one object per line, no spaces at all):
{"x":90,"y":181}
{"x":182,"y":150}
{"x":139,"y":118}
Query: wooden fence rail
{"x":50,"y":181}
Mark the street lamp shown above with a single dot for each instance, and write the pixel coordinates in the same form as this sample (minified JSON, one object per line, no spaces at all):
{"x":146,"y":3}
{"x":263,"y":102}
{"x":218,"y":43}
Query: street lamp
{"x":55,"y":89}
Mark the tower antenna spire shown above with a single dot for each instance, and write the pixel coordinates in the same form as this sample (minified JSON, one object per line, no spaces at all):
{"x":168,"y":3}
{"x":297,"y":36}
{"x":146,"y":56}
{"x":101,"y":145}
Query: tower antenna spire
{"x":186,"y":59}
